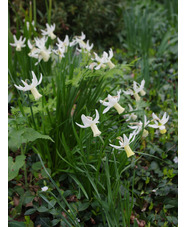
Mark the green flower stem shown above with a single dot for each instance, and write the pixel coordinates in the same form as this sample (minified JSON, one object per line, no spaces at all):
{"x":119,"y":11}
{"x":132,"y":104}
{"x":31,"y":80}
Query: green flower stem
{"x":23,"y":150}
{"x":31,"y":110}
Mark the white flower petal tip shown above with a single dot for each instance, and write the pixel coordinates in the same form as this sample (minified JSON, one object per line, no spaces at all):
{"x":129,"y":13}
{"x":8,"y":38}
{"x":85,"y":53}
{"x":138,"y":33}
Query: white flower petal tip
{"x":44,"y":189}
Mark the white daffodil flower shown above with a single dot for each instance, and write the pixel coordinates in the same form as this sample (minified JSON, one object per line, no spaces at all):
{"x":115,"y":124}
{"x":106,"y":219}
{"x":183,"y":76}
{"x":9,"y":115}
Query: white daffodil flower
{"x":124,"y":143}
{"x":136,"y":89}
{"x":44,"y":189}
{"x":88,"y":122}
{"x":39,"y":50}
{"x":18,"y":43}
{"x":63,"y":44}
{"x":60,"y":52}
{"x":138,"y":127}
{"x":131,"y":115}
{"x":86,"y":47}
{"x":112,"y":102}
{"x":49,"y":31}
{"x":105,"y":59}
{"x":78,"y":40}
{"x":31,"y":87}
{"x":100,"y":62}
{"x":160,"y":123}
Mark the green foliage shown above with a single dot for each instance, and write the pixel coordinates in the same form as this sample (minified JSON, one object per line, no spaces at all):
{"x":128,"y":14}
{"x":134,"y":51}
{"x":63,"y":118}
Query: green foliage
{"x":13,"y":167}
{"x":24,"y":135}
{"x":90,"y":183}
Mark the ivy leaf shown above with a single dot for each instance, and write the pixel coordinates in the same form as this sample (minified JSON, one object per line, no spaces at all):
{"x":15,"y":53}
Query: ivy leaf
{"x":24,"y":135}
{"x":13,"y":167}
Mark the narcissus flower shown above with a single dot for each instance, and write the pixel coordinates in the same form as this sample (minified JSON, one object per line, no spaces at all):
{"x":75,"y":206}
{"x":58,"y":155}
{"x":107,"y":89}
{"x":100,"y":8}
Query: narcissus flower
{"x":63,"y":44}
{"x":88,"y":122}
{"x":112,"y":102}
{"x":49,"y":31}
{"x":137,"y":88}
{"x":160,"y":123}
{"x":138,"y":126}
{"x":60,"y":51}
{"x":86,"y":47}
{"x":105,"y":59}
{"x":39,"y":50}
{"x":131,"y":115}
{"x":18,"y":43}
{"x":78,"y":40}
{"x":31,"y":87}
{"x":124,"y":143}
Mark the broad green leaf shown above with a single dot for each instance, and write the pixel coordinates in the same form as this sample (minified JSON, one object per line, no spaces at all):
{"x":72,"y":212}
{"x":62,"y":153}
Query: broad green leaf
{"x":16,"y":224}
{"x":24,"y":135}
{"x":13,"y":167}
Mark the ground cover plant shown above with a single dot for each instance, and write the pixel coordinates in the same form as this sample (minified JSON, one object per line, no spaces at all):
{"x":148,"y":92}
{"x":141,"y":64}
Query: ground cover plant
{"x":93,"y":131}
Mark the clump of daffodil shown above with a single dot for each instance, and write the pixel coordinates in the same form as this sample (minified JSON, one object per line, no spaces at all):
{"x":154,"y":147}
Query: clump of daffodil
{"x":31,"y":87}
{"x":89,"y":122}
{"x":49,"y":31}
{"x":160,"y":123}
{"x":131,"y":115}
{"x":124,"y":143}
{"x":137,"y":88}
{"x":18,"y":43}
{"x":138,"y":126}
{"x":112,"y":102}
